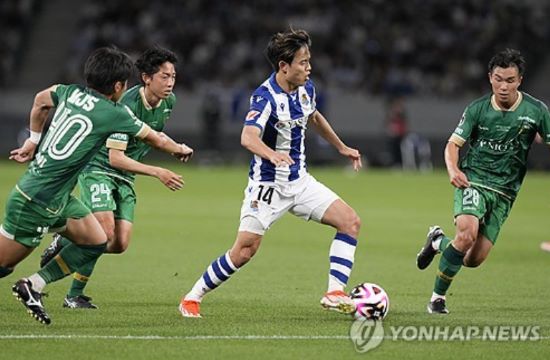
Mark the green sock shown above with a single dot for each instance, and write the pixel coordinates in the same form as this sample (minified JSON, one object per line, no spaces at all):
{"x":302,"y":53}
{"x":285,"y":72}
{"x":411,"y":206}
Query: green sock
{"x":445,"y":241}
{"x":64,"y":241}
{"x":449,"y":265}
{"x":69,"y":259}
{"x":81,"y":277}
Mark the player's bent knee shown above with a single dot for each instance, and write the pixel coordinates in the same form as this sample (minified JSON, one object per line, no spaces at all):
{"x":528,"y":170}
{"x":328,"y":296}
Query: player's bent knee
{"x":351,"y":224}
{"x":472,"y":263}
{"x":464,"y":240}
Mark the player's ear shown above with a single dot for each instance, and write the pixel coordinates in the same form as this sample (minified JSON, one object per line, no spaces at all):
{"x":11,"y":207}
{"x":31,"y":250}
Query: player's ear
{"x":145,"y":78}
{"x":283,"y":67}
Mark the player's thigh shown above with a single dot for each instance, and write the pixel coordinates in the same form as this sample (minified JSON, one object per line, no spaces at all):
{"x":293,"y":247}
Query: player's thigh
{"x":314,"y":201}
{"x":265,"y":203}
{"x":25,"y":222}
{"x":340,"y":215}
{"x":81,"y":226}
{"x":123,"y":233}
{"x":96,"y":191}
{"x":12,"y":252}
{"x":477,"y":254}
{"x":124,"y":197}
{"x":107,"y":221}
{"x":494,"y":220}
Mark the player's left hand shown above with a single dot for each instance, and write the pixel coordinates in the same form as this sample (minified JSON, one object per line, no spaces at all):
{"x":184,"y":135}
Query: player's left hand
{"x":24,"y":153}
{"x":354,"y":155}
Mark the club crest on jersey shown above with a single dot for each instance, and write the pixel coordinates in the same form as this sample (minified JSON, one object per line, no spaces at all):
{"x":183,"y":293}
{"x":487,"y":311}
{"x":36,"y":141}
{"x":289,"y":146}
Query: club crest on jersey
{"x":304,"y":100}
{"x":282,"y":106}
{"x":254,"y":205}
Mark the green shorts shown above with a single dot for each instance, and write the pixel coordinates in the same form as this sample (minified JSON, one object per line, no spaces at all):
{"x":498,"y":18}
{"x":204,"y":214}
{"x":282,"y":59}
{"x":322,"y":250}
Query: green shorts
{"x":26,"y":222}
{"x":490,"y":207}
{"x":101,"y":192}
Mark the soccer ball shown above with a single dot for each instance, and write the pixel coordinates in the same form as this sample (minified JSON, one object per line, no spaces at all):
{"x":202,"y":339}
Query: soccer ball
{"x":371,"y":302}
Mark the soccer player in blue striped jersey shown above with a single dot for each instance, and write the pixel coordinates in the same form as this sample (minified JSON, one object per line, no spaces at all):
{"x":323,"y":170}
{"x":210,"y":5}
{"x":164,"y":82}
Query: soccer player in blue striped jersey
{"x":274,"y":131}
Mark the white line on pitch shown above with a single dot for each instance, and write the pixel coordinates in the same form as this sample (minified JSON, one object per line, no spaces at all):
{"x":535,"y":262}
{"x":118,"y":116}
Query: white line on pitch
{"x":158,"y":337}
{"x":196,"y":337}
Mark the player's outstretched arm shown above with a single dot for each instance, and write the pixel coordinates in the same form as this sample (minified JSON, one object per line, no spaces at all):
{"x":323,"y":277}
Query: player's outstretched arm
{"x":250,"y":140}
{"x":163,"y":142}
{"x":119,"y":160}
{"x":324,"y":129}
{"x":456,"y":177}
{"x":41,"y":107}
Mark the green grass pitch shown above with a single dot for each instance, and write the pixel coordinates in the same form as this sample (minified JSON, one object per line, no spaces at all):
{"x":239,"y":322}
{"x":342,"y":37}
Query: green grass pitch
{"x":270,"y":308}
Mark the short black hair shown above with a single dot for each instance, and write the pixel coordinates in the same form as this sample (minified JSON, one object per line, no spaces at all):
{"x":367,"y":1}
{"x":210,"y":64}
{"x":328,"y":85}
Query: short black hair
{"x":284,"y":45}
{"x":150,"y":61}
{"x":105,"y":67}
{"x":507,"y":58}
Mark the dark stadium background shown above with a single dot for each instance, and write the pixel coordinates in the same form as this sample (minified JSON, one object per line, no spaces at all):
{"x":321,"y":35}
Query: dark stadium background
{"x":430,"y":56}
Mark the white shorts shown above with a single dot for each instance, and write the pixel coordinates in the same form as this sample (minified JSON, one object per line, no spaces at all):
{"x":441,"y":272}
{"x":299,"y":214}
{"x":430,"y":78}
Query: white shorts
{"x":267,"y":202}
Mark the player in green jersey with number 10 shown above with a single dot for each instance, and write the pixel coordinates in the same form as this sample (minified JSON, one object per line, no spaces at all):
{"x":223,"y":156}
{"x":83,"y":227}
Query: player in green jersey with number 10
{"x":41,"y":201}
{"x":500,"y":128}
{"x":107,"y":183}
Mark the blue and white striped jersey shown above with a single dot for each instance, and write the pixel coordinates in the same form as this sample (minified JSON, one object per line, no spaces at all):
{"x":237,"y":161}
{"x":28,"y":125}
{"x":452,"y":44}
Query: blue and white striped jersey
{"x":282,"y":117}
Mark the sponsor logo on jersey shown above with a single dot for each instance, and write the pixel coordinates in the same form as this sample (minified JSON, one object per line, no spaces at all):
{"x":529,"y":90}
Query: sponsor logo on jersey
{"x":290,"y":124}
{"x":496,"y":146}
{"x":252,"y":114}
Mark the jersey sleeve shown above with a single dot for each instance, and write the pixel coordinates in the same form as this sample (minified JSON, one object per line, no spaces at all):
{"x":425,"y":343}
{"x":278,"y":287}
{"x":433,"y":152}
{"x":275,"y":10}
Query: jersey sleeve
{"x":117,"y":141}
{"x":59,"y":91}
{"x":544,"y":127}
{"x":464,"y":128}
{"x":131,"y":125}
{"x":259,"y":111}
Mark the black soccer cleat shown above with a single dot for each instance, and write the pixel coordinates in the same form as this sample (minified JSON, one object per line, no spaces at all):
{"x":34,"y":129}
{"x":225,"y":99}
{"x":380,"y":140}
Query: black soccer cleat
{"x":51,"y":251}
{"x":23,"y":291}
{"x":78,"y":302}
{"x":426,"y":255}
{"x":437,"y":307}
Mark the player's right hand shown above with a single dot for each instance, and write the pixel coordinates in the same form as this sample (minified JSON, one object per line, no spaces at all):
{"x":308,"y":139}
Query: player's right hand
{"x":281,"y":159}
{"x":458,"y":179}
{"x":185,"y":154}
{"x":170,"y":179}
{"x":24,"y":153}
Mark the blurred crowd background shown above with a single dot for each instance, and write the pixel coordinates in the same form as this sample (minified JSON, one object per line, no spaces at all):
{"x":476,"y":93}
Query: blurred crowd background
{"x":399,"y":62}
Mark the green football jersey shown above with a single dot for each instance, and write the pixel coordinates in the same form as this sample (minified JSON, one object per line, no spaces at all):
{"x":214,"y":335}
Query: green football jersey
{"x":83,"y":121}
{"x":500,"y":141}
{"x":155,"y":117}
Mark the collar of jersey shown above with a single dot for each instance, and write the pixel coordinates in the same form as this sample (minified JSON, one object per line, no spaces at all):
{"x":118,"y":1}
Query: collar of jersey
{"x":144,"y":100}
{"x":512,"y":108}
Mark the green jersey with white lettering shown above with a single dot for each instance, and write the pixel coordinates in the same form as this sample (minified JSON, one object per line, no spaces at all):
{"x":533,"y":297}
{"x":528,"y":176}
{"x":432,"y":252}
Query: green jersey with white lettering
{"x":500,"y":141}
{"x":83,"y":121}
{"x":155,"y":117}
